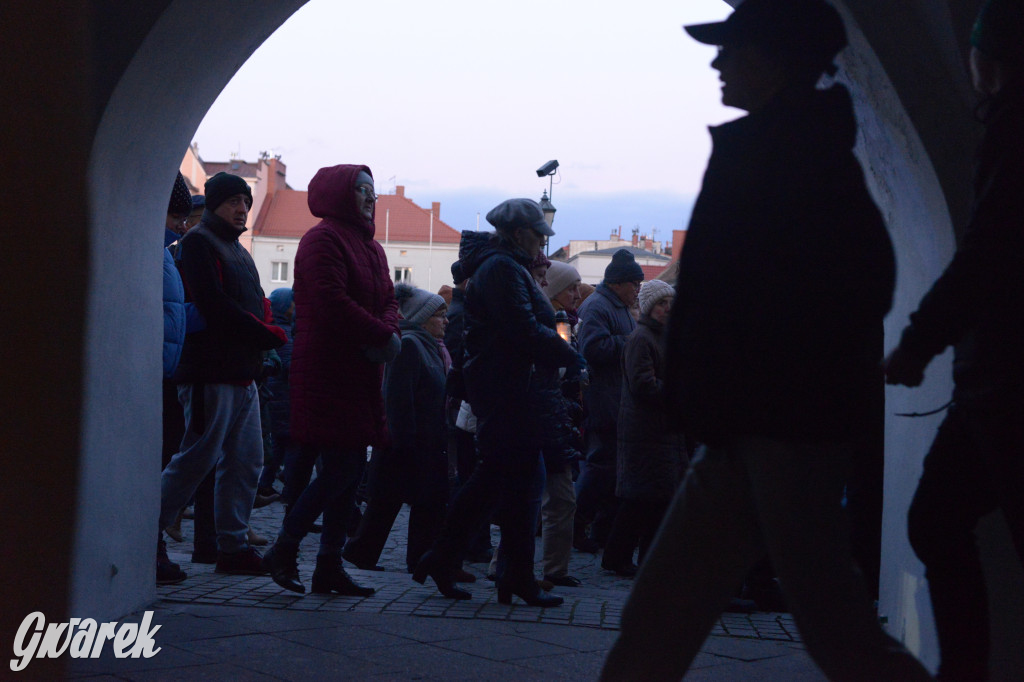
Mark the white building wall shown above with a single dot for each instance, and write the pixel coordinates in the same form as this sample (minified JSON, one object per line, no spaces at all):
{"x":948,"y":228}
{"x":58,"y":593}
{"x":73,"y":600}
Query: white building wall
{"x":429,"y":268}
{"x":591,"y":265}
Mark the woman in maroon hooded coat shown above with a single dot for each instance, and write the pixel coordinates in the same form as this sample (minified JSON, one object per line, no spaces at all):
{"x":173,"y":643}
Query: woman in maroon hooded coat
{"x":346,"y":328}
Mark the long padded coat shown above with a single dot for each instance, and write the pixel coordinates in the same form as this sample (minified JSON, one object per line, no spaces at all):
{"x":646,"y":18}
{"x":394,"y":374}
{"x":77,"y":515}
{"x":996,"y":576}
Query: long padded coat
{"x":344,"y":303}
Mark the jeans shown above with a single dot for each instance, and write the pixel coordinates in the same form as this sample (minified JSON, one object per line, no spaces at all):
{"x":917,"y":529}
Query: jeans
{"x":975,"y":466}
{"x":331,"y":493}
{"x":738,"y":500}
{"x":223,"y":431}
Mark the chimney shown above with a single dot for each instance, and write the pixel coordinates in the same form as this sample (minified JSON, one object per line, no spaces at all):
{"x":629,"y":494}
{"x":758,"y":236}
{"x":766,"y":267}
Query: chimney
{"x":636,"y":239}
{"x":400,"y":190}
{"x":435,"y":208}
{"x":678,"y":238}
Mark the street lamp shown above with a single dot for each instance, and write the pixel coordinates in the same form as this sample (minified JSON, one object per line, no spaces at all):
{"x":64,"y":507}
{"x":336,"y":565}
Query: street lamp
{"x":548,"y":208}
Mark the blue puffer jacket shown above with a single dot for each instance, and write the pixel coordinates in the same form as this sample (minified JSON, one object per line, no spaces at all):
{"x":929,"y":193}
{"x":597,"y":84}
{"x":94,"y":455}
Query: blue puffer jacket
{"x":174,"y":309}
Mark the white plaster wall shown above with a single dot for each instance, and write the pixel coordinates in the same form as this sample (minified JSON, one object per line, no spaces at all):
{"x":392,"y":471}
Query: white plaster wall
{"x":265,"y":251}
{"x":431,"y":268}
{"x":901,"y":178}
{"x":176,"y":74}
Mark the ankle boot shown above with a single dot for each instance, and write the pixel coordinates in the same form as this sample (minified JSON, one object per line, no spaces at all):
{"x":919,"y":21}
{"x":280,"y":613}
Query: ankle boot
{"x":431,"y":565}
{"x":283,"y":564}
{"x":527,"y":590}
{"x":329,"y":576}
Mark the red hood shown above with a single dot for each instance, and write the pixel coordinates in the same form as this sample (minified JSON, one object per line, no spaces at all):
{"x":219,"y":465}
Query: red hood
{"x":332,"y":196}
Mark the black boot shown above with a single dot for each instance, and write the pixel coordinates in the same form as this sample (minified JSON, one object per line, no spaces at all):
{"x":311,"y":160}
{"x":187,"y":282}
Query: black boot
{"x":329,"y":576}
{"x":283,"y":564}
{"x":443,"y":576}
{"x":529,"y":591}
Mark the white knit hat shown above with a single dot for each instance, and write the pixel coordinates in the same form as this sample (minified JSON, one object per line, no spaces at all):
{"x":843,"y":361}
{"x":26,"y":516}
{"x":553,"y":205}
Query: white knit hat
{"x":560,"y":277}
{"x":653,"y":291}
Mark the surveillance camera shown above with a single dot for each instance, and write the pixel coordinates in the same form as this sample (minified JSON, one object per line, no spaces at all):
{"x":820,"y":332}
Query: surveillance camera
{"x":548,"y":168}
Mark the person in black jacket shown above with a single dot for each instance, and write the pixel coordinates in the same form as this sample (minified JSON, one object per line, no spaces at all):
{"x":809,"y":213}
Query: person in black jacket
{"x":976,"y":464}
{"x":217,"y":372}
{"x":509,"y":328}
{"x":772,"y":360}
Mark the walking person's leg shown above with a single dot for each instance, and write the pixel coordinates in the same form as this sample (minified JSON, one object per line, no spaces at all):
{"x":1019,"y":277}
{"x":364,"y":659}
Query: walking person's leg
{"x":797,"y":491}
{"x":558,"y":507}
{"x":705,"y":545}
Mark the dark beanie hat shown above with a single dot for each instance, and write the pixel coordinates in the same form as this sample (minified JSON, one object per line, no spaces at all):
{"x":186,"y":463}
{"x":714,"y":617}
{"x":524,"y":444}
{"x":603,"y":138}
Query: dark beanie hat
{"x":623,"y":268}
{"x":224,"y":185}
{"x":458,"y":276}
{"x":198,"y":201}
{"x":181,"y":198}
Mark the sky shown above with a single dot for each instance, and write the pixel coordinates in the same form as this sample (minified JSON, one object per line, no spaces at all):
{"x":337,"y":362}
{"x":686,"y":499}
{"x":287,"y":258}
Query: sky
{"x":461,"y":101}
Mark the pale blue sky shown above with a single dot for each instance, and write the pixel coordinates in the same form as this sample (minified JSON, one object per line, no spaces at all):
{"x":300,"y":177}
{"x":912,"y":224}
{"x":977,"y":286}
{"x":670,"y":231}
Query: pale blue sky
{"x":461,"y":100}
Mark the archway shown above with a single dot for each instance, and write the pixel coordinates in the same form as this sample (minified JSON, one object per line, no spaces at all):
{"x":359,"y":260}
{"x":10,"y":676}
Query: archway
{"x":133,"y":83}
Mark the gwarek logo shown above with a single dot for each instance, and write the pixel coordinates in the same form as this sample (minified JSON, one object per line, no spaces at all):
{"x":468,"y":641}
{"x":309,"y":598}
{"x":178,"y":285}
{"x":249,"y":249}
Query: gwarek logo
{"x":81,"y":638}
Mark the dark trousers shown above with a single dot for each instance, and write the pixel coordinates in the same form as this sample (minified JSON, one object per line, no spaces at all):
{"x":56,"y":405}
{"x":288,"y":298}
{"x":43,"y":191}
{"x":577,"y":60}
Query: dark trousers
{"x":205,"y":528}
{"x":466,"y":458}
{"x":509,"y":479}
{"x":636,"y":523}
{"x":975,"y":466}
{"x":331,"y":493}
{"x":596,"y":503}
{"x":425,"y":519}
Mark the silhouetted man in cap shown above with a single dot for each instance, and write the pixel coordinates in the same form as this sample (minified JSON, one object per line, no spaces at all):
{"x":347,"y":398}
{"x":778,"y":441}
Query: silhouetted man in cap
{"x":772,"y":360}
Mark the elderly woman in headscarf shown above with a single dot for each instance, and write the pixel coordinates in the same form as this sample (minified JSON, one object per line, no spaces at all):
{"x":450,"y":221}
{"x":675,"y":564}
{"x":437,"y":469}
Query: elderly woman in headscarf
{"x":510,"y":327}
{"x":414,"y":469}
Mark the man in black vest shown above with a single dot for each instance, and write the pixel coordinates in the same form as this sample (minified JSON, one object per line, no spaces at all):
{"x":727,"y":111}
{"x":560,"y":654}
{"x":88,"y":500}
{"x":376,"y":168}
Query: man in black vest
{"x":216,"y":378}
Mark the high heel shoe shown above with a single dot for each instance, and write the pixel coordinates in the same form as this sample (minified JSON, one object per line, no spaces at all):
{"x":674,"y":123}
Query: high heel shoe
{"x":529,"y":593}
{"x":429,"y":566}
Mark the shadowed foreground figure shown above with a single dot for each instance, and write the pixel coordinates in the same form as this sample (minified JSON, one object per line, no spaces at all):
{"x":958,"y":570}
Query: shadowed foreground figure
{"x":772,"y":358}
{"x":976,"y":464}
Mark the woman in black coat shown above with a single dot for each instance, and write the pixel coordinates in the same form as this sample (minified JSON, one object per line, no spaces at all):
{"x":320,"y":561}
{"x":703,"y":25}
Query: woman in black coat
{"x":415,"y":469}
{"x":651,"y":457}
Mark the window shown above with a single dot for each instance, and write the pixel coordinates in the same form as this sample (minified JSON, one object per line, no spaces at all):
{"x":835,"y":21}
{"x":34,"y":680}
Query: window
{"x":279,"y":271}
{"x":403,"y":275}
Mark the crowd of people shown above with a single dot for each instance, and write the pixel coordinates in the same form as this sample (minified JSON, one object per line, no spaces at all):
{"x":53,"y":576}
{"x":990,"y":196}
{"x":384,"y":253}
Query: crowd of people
{"x":707,"y":429}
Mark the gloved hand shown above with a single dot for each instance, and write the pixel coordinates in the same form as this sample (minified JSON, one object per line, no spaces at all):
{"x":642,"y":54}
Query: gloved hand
{"x":386,"y":353}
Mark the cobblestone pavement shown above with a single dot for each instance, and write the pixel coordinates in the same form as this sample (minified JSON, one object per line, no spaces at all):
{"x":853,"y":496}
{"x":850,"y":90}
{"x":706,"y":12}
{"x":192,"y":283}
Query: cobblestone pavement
{"x":596,"y":604}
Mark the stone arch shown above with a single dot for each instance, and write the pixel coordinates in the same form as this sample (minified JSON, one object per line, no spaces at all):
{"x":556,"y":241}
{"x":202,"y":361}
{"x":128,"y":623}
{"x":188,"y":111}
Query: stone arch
{"x":93,"y":86}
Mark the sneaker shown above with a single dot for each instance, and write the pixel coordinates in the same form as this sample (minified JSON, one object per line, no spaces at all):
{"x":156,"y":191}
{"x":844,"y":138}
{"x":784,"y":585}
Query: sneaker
{"x":167,"y":572}
{"x":246,"y":562}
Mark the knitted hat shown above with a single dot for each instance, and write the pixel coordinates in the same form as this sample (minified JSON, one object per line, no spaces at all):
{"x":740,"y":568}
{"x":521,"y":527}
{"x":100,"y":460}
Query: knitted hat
{"x":458,"y":276}
{"x":514,"y":213}
{"x":416,"y":305}
{"x":364,"y":178}
{"x":623,"y":268}
{"x":198,"y":201}
{"x":653,"y":291}
{"x":540,"y":260}
{"x":999,"y":30}
{"x":181,"y":198}
{"x":224,"y":185}
{"x":560,"y":277}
